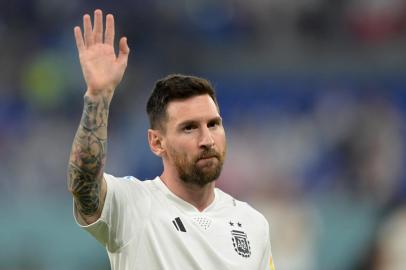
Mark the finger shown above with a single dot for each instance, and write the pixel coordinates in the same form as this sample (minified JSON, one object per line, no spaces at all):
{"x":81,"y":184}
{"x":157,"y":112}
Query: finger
{"x":109,"y":35}
{"x":124,"y":50}
{"x":80,"y":44}
{"x":87,"y":28}
{"x":98,"y":26}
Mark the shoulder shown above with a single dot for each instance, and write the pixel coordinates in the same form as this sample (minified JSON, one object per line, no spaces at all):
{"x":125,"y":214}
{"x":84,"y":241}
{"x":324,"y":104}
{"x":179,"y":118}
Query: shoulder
{"x":127,"y":182}
{"x":242,"y":208}
{"x":126,"y":179}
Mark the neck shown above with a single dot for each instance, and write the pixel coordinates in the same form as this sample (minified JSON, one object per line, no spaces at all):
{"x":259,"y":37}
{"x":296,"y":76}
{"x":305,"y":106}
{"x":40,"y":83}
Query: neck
{"x":199,"y":197}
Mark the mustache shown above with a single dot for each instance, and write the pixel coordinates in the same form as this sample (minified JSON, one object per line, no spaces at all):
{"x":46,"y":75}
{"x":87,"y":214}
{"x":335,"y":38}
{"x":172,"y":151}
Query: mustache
{"x":208,"y":154}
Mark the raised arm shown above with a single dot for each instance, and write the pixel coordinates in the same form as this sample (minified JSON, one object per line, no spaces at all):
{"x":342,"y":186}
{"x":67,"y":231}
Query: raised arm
{"x":102,"y":71}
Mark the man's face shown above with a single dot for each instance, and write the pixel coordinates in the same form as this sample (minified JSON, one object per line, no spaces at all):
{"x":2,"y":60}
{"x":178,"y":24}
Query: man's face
{"x":195,"y":139}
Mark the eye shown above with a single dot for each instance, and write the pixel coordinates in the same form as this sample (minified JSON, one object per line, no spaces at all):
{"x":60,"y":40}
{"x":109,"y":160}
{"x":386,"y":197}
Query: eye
{"x":189,"y":128}
{"x":213,"y":123}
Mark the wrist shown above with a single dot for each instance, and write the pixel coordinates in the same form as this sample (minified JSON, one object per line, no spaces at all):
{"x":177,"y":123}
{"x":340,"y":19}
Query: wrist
{"x":91,"y":99}
{"x":98,"y":95}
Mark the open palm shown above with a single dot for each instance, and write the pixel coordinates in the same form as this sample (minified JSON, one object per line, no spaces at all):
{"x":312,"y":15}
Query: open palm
{"x":102,"y":69}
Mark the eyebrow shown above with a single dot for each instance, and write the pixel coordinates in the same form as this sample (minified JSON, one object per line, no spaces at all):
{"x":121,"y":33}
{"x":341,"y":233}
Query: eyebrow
{"x":217,"y":119}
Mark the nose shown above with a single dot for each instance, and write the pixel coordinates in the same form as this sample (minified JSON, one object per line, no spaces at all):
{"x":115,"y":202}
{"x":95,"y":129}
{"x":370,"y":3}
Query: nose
{"x":206,"y":139}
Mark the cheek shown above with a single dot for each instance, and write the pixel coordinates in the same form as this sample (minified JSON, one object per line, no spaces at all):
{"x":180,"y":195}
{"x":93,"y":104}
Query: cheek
{"x":178,"y":150}
{"x":185,"y":143}
{"x":221,"y":139}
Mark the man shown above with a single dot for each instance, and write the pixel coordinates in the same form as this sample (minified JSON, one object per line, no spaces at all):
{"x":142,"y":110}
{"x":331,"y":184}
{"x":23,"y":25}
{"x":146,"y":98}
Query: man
{"x":178,"y":220}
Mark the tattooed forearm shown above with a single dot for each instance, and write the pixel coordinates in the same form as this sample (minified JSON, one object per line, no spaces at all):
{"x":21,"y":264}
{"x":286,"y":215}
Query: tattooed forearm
{"x":85,"y":189}
{"x":88,"y":156}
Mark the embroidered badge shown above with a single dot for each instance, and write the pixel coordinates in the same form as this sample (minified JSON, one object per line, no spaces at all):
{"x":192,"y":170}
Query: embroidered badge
{"x":241,"y":243}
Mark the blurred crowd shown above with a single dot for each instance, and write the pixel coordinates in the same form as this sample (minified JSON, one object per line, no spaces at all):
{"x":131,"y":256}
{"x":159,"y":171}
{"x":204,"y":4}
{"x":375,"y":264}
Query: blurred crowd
{"x":313,"y":96}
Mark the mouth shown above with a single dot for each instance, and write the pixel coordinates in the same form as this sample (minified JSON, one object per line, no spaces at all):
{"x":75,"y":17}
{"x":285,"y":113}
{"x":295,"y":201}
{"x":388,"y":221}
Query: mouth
{"x":206,"y":160}
{"x":208,"y":157}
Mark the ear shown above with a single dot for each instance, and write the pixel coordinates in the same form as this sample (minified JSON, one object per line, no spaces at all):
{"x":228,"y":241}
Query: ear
{"x":155,"y":141}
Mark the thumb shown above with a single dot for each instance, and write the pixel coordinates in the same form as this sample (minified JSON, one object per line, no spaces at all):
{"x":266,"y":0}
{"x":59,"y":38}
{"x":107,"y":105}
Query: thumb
{"x":124,"y":50}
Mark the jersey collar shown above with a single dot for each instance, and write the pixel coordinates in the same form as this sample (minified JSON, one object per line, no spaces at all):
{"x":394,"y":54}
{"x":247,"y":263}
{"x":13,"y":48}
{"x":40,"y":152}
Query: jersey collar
{"x":184,"y":205}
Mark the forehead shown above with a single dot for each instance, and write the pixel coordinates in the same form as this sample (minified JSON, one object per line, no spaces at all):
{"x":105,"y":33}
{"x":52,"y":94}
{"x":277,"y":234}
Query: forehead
{"x":196,"y":108}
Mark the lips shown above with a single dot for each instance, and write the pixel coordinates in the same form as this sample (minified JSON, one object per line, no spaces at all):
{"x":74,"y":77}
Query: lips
{"x":204,"y":158}
{"x":206,"y":155}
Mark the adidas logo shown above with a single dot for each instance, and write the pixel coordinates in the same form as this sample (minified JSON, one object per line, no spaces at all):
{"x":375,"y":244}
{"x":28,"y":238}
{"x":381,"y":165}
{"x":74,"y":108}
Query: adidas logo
{"x":178,"y":224}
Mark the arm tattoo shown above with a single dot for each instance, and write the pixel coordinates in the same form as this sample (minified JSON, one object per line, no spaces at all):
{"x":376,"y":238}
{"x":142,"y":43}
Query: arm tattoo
{"x":88,"y":156}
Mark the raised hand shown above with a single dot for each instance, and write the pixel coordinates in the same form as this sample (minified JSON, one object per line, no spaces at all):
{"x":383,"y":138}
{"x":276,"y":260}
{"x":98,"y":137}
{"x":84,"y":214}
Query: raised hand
{"x":102,"y":69}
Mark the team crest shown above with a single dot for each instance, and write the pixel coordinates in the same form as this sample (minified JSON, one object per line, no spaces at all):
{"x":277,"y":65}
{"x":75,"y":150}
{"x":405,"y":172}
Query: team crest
{"x":241,"y":243}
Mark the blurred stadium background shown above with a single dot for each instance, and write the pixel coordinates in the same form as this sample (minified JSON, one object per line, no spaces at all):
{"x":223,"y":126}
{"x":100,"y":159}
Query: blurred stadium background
{"x":313,"y":95}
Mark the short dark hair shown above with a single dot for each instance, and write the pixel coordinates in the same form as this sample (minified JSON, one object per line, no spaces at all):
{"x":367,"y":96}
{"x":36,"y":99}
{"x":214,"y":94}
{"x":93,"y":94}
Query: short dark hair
{"x":175,"y":87}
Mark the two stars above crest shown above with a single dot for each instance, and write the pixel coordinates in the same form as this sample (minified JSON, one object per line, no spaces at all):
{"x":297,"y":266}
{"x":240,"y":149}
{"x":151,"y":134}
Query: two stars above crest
{"x":237,"y":224}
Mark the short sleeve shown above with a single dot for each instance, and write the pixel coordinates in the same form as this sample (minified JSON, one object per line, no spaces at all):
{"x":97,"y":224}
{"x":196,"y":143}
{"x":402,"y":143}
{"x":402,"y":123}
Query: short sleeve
{"x":267,"y":260}
{"x":124,"y":212}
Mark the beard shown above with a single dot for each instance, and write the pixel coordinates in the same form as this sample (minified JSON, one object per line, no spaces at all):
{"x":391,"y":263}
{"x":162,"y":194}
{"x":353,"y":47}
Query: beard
{"x":201,"y":170}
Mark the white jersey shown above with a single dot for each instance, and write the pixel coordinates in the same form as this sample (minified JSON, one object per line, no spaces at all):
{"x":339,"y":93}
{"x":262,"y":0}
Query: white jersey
{"x":144,"y":225}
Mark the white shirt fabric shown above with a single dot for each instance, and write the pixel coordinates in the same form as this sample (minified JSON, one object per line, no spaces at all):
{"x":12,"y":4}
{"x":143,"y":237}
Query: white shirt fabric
{"x":144,"y":225}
